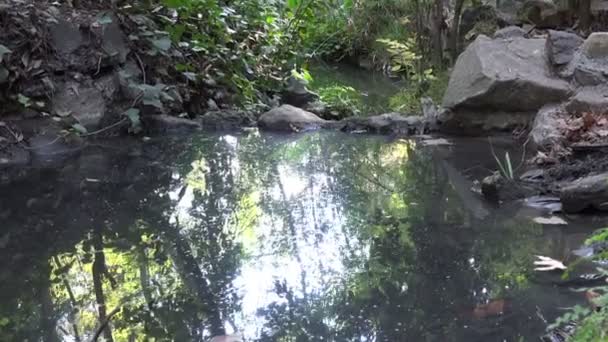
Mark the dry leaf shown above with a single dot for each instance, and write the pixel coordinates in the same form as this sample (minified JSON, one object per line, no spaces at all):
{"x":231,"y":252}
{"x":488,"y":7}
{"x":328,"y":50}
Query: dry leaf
{"x":548,"y":264}
{"x":553,"y":220}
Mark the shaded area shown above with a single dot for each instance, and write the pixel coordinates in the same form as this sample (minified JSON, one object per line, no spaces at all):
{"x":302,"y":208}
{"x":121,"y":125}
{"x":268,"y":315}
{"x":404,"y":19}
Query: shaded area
{"x":324,"y":236}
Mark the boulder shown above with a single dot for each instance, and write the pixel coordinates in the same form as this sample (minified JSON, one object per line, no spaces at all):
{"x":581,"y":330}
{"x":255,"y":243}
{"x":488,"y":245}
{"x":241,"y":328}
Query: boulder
{"x":510,"y":32}
{"x":590,"y":192}
{"x":561,"y":47}
{"x":596,"y":46}
{"x":390,"y":123}
{"x":589,"y":100}
{"x":472,"y":121}
{"x":510,"y":75}
{"x":288,"y":118}
{"x":296,"y":93}
{"x":81,"y":100}
{"x":590,"y":65}
{"x":547,"y":127}
{"x":156,"y":124}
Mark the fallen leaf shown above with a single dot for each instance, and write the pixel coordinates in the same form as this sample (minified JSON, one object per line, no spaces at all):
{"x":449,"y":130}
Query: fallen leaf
{"x":553,"y":220}
{"x":548,"y":264}
{"x":494,"y":308}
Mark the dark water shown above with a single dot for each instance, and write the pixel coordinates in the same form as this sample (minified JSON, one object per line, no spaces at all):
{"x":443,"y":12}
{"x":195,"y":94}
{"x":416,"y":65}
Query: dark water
{"x":325,"y":237}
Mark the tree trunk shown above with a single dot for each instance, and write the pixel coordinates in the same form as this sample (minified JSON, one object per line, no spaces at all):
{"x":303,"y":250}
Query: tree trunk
{"x":455,"y":31}
{"x":436,"y":36}
{"x":584,"y":15}
{"x":73,"y":301}
{"x":99,"y":268}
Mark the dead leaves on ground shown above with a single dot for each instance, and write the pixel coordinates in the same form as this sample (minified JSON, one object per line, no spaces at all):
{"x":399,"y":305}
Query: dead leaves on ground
{"x":588,"y":127}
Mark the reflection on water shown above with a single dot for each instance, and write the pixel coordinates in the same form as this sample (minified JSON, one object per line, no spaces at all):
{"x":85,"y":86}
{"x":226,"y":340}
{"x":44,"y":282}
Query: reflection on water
{"x":327,"y":237}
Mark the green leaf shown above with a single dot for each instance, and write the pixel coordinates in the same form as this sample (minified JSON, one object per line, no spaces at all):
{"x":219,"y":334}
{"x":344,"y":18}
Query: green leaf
{"x":3,"y":75}
{"x":293,"y":4}
{"x":63,"y":113}
{"x":24,"y":100}
{"x":79,"y":128}
{"x":104,"y":19}
{"x":163,"y":43}
{"x":133,"y":115}
{"x":3,"y":51}
{"x":191,"y":76}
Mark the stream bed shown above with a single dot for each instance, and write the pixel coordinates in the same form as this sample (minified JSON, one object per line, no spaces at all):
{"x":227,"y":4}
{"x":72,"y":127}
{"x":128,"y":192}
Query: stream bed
{"x":317,"y":237}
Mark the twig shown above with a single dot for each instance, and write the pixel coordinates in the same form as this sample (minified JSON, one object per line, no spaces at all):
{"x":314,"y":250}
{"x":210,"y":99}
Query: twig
{"x":105,"y":128}
{"x":141,"y":66}
{"x":98,"y":67}
{"x":105,"y":323}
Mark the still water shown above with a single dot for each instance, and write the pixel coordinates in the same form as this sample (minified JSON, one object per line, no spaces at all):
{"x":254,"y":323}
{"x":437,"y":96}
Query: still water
{"x":319,"y":237}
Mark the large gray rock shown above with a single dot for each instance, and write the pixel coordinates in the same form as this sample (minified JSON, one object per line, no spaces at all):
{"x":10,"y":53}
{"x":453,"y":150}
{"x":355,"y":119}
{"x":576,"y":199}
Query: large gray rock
{"x":510,"y":75}
{"x":547,"y":130}
{"x":288,"y":118}
{"x":590,"y":65}
{"x":586,"y":193}
{"x":561,"y":46}
{"x":81,"y":100}
{"x":589,"y":100}
{"x":596,"y":46}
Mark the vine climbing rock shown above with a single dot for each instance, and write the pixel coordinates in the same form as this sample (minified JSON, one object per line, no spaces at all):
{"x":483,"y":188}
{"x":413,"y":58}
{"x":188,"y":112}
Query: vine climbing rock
{"x":508,"y":78}
{"x":288,"y":118}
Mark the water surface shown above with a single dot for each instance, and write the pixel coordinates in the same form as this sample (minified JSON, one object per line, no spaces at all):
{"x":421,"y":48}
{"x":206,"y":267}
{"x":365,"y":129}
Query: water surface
{"x":319,"y":237}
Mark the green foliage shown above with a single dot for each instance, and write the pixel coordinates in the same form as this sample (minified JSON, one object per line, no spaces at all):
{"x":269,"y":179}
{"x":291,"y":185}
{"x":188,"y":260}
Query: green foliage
{"x":592,"y":325}
{"x":408,"y":99}
{"x":405,"y":101}
{"x":343,"y":100}
{"x":505,"y":167}
{"x":598,"y":236}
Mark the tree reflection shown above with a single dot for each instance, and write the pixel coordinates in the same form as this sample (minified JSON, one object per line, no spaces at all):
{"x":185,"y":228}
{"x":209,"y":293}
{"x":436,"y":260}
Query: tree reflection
{"x":327,"y":237}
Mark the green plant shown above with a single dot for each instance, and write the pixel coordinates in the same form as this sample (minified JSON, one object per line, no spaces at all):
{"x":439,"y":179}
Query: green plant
{"x":405,"y":101}
{"x":505,"y":167}
{"x":592,"y":324}
{"x":342,"y":100}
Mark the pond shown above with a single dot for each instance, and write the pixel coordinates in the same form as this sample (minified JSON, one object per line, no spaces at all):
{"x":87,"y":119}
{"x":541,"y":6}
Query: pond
{"x":370,"y":90}
{"x":316,"y":237}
